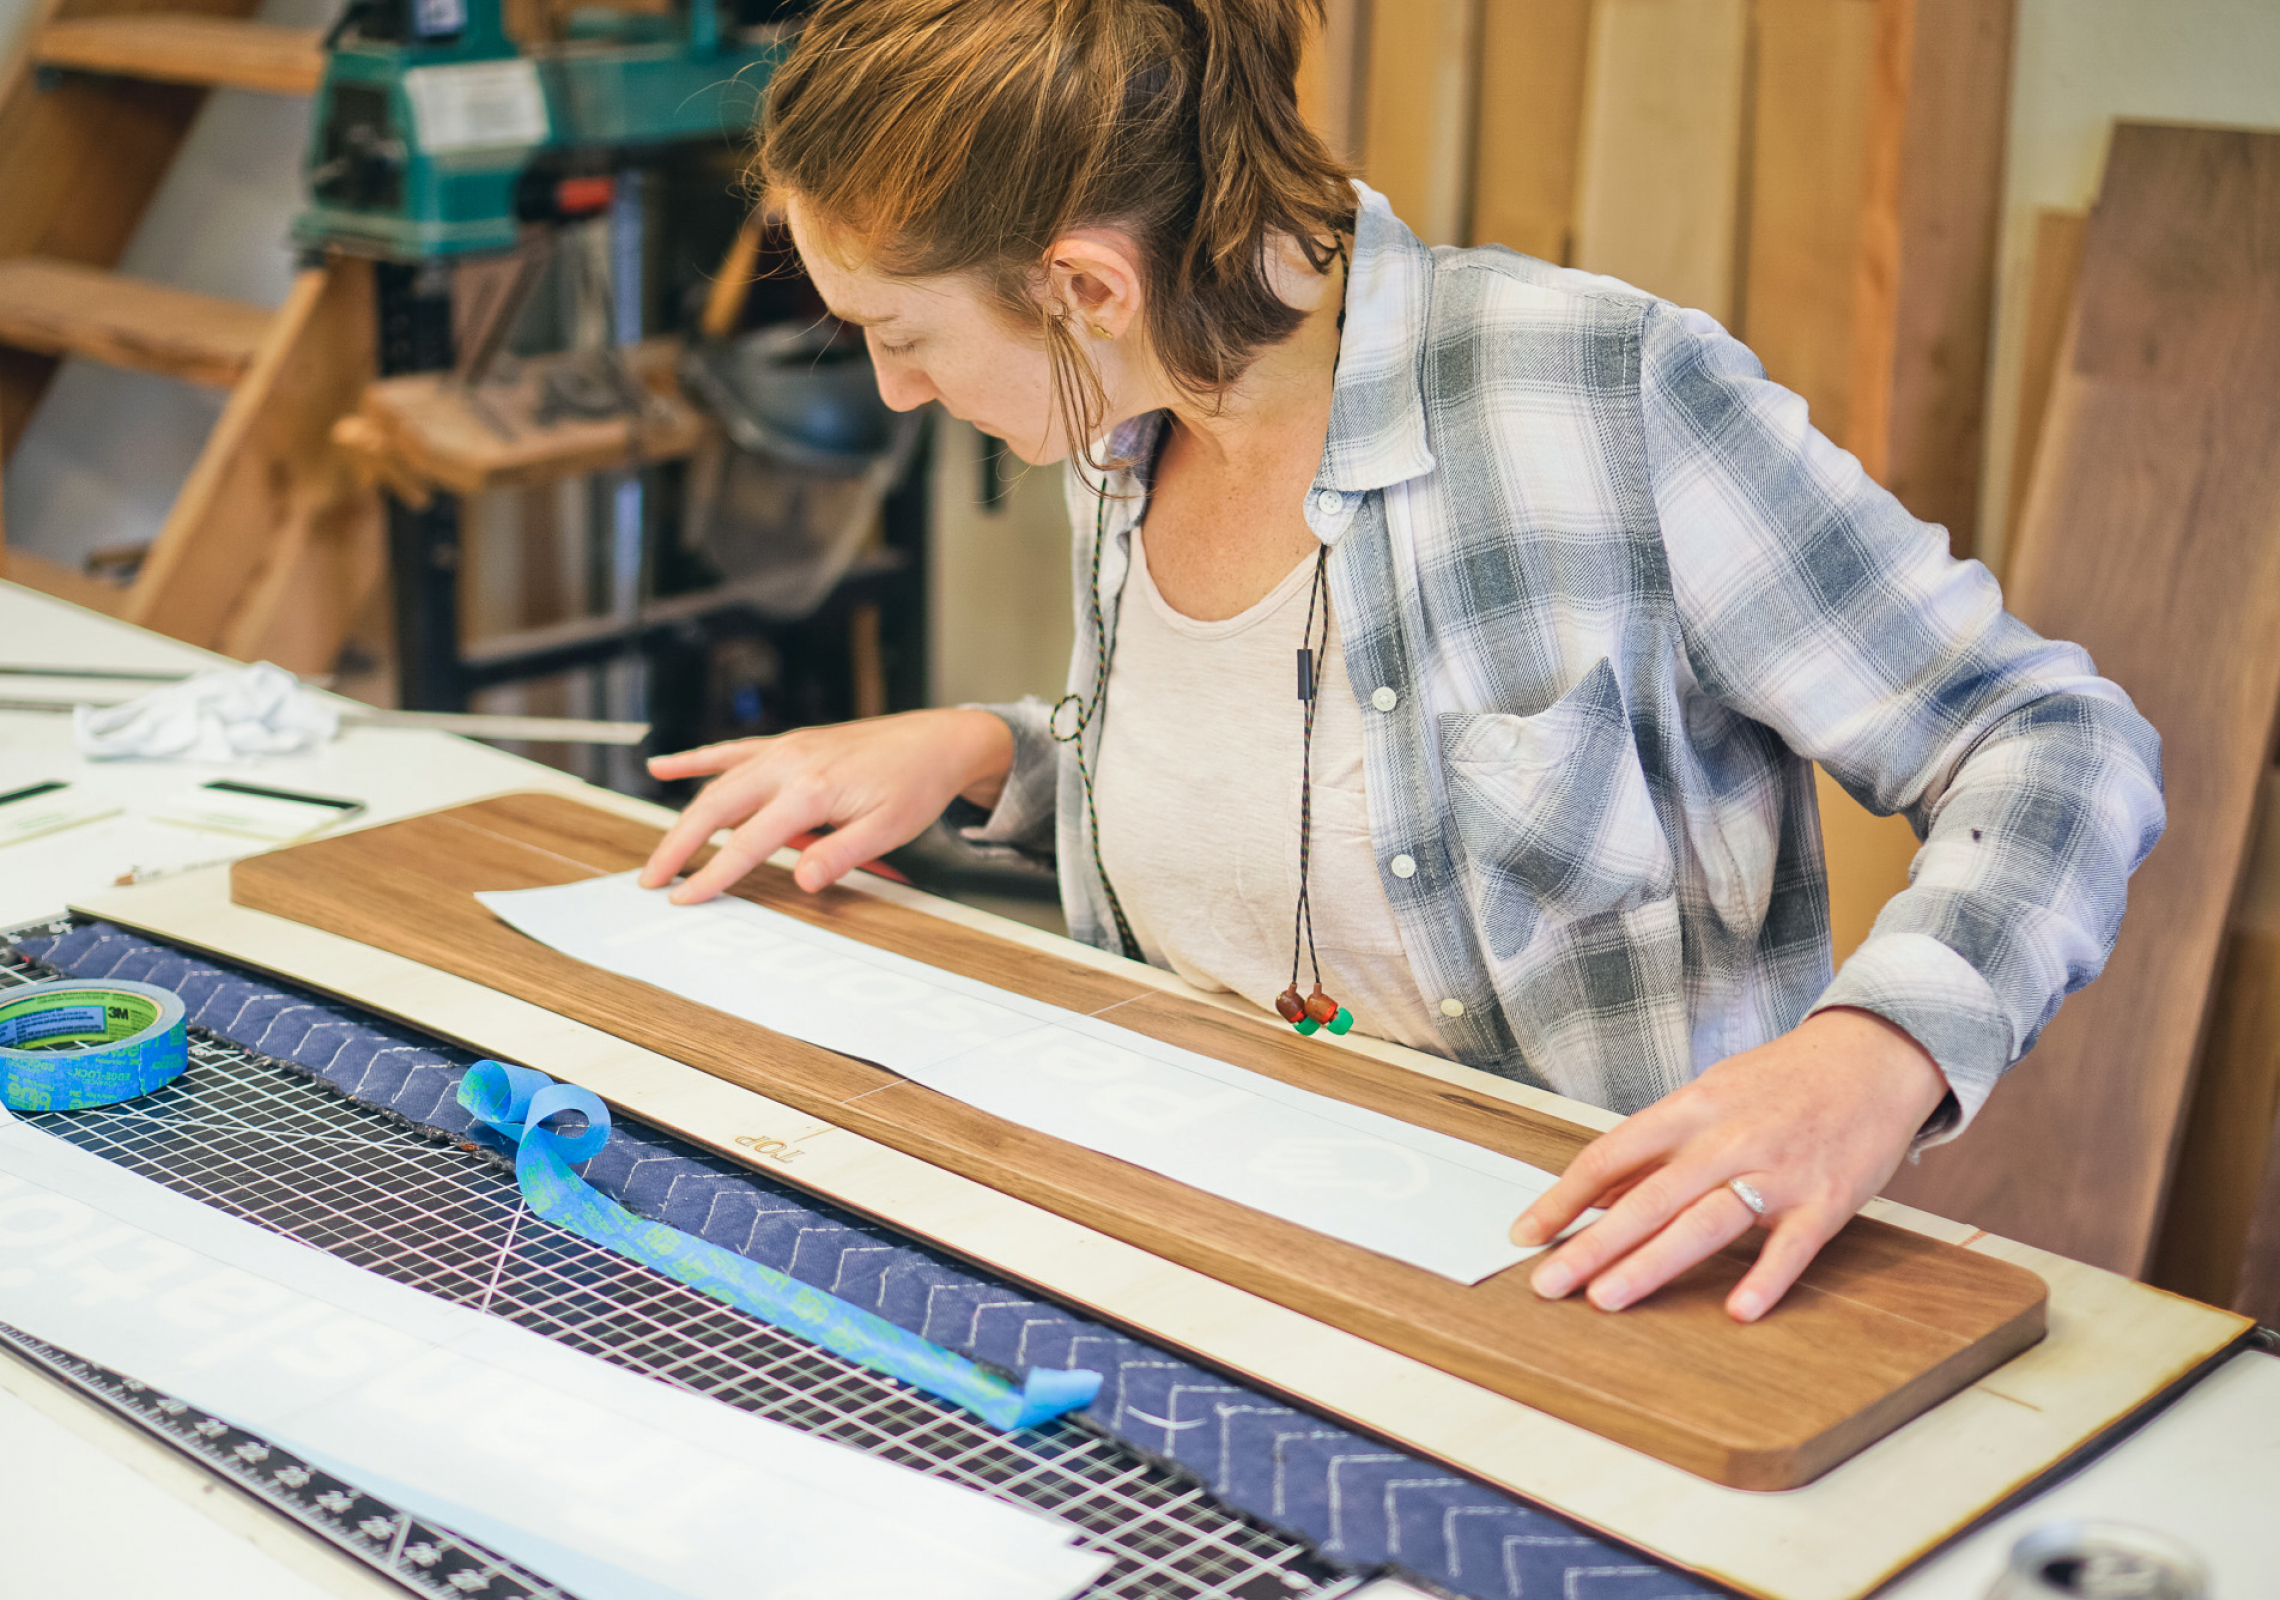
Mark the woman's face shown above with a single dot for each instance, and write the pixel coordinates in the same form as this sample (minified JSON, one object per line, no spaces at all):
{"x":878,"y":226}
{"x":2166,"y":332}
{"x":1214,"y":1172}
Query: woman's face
{"x":941,"y":339}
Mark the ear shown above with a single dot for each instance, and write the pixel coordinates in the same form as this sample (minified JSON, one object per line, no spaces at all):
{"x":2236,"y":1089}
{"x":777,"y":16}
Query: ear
{"x":1093,"y":277}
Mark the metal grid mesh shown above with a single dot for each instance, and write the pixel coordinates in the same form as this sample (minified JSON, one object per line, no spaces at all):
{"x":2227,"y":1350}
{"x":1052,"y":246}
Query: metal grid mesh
{"x":254,"y":1138}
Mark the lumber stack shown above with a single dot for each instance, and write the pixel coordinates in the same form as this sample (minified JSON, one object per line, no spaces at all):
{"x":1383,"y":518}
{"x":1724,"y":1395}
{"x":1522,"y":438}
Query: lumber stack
{"x":2150,"y":538}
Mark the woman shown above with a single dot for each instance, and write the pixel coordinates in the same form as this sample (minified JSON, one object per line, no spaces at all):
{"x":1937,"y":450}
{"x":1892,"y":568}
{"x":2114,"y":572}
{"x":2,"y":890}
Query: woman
{"x":1582,"y":592}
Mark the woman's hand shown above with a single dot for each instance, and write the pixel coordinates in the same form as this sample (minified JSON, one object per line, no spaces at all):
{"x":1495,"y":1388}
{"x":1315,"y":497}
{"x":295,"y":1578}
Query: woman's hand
{"x":876,"y":783}
{"x":1815,"y":1121}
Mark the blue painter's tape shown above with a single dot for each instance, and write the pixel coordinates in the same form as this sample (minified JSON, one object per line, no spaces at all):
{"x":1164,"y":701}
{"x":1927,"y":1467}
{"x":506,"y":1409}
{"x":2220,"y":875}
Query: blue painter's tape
{"x":521,"y":1104}
{"x":70,"y":1044}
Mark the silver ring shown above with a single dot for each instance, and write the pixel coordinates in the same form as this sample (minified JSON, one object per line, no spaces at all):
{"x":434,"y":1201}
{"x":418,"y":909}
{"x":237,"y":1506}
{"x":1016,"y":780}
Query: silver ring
{"x":1748,"y":1195}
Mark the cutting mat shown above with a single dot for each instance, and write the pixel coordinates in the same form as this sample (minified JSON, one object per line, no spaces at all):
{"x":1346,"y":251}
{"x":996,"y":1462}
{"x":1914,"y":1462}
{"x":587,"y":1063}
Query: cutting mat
{"x":1884,"y":1325}
{"x":267,"y":1142}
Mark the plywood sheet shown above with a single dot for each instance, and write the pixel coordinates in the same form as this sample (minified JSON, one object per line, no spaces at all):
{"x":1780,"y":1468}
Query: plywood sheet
{"x":1883,"y":1325}
{"x":2113,"y":1347}
{"x":2152,"y":538}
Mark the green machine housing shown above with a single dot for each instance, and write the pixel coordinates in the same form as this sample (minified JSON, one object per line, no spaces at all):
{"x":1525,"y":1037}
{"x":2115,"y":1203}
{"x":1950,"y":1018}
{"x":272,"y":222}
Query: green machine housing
{"x":434,"y":135}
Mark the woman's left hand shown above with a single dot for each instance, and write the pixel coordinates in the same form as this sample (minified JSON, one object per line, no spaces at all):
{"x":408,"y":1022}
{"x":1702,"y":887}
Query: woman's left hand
{"x":1815,"y":1121}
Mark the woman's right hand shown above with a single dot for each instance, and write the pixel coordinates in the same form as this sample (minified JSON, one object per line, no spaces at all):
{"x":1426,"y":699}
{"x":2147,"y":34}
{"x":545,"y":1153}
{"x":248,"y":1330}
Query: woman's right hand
{"x":876,"y":783}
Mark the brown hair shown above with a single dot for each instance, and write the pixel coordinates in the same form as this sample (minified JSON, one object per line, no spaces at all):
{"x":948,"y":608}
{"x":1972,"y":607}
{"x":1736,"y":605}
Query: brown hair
{"x":966,"y":136}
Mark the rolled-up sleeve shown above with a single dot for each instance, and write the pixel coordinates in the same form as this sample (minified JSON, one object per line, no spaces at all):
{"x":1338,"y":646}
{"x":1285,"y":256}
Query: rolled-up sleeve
{"x":1023,"y":818}
{"x":1812,"y":602}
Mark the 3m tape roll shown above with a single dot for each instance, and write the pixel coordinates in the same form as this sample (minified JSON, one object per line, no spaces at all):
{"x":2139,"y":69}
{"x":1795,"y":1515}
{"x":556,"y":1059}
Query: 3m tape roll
{"x":68,"y":1044}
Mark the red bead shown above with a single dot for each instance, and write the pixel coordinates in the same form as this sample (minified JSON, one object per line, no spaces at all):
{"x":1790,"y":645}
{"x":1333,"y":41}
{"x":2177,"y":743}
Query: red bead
{"x":1289,"y":1005}
{"x":1320,"y":1006}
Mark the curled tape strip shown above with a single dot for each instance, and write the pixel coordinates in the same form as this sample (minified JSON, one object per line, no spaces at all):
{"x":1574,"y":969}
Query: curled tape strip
{"x":68,"y":1044}
{"x":520,"y":1103}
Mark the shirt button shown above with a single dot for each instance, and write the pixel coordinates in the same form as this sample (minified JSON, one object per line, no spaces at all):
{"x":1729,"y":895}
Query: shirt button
{"x":1384,"y":698}
{"x":1329,"y":501}
{"x":1403,"y":867}
{"x":1452,"y":1008}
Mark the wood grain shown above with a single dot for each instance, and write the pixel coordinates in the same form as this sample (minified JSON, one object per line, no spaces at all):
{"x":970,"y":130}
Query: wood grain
{"x":2050,"y":299}
{"x":1808,"y":155}
{"x":79,"y":159}
{"x":1660,"y":199}
{"x":62,"y":308}
{"x":1884,"y":1324}
{"x":1925,"y":289}
{"x":2152,"y":537}
{"x":2224,"y":1159}
{"x":426,"y":431}
{"x":1417,"y":112}
{"x":272,"y":545}
{"x":213,"y":52}
{"x":2114,"y":1345}
{"x":1528,"y":125}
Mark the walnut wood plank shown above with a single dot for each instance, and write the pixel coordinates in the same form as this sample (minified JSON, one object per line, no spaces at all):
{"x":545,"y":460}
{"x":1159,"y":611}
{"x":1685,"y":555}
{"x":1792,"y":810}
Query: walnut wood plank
{"x":1885,"y":1324}
{"x":168,"y":47}
{"x":62,"y":308}
{"x":2152,"y":537}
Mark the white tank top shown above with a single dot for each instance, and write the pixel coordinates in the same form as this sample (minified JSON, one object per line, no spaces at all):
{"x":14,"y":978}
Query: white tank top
{"x":1197,"y":784}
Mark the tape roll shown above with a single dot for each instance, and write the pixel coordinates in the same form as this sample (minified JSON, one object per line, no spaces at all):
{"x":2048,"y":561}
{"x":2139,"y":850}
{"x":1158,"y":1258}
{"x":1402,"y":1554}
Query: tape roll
{"x":68,"y":1044}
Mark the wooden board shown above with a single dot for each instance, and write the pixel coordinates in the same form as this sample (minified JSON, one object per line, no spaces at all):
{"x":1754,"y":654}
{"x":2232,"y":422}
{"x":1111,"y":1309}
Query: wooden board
{"x":2050,"y":300}
{"x":1417,"y":112}
{"x":1528,"y":125}
{"x":2228,"y":1148}
{"x":1883,"y":1326}
{"x":2113,"y":1347}
{"x":426,"y":431}
{"x":215,"y":52}
{"x":2152,"y":537}
{"x":1925,"y":290}
{"x":271,"y":547}
{"x":79,"y":159}
{"x":1807,"y":159}
{"x":62,"y":308}
{"x":1660,"y":198}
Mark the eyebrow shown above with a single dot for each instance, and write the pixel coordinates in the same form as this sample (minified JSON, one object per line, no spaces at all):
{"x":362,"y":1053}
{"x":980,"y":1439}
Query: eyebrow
{"x":860,"y":322}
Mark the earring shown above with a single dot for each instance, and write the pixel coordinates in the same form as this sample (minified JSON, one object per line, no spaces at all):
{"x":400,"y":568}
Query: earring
{"x":1100,"y":332}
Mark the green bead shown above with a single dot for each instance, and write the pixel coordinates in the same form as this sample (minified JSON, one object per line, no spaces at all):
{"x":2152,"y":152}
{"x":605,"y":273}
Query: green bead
{"x":1342,"y":1021}
{"x":1307,"y":1026}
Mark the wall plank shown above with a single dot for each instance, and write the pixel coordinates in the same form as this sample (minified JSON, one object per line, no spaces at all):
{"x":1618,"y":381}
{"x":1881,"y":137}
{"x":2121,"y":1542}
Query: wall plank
{"x":1925,"y":290}
{"x":1808,"y":154}
{"x":1418,"y":121}
{"x":1528,"y":124}
{"x":1659,"y":205}
{"x":2151,"y":523}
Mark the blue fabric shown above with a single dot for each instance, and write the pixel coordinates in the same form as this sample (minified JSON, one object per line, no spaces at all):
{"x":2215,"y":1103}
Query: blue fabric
{"x":523,"y":1105}
{"x":1358,"y":1501}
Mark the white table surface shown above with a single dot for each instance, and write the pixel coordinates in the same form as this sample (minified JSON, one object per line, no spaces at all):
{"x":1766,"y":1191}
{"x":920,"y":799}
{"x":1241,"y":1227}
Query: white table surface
{"x":2206,"y":1472}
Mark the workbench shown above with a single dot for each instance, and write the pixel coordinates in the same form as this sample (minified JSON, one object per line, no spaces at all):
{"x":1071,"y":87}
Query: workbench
{"x":71,"y":1477}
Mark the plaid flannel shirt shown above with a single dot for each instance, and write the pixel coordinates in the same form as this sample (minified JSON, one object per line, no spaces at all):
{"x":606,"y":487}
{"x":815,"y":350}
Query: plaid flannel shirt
{"x":1604,"y":594}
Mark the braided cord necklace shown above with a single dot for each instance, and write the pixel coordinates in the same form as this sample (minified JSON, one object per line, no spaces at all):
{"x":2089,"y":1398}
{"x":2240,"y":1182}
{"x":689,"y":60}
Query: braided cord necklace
{"x":1317,"y":1010}
{"x":1085,"y":713}
{"x":1313,"y":1012}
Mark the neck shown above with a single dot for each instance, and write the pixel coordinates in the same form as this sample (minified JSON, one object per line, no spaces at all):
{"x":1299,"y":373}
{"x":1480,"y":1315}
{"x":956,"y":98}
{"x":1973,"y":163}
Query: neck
{"x":1283,"y":397}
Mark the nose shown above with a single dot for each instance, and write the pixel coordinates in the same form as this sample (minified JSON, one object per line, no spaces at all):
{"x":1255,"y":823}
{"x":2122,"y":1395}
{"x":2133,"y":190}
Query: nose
{"x":903,"y":386}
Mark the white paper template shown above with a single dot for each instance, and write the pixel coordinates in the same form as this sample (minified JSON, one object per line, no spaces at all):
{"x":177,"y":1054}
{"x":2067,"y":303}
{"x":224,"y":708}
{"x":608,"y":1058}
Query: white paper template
{"x":1419,"y":1196}
{"x":609,"y":1483}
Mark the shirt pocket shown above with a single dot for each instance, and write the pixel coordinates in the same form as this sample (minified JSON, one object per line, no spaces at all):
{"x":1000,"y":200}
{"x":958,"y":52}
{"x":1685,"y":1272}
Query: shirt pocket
{"x":1553,"y":814}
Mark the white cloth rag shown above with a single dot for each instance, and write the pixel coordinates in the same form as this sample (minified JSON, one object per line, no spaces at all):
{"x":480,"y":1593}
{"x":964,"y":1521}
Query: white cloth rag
{"x":228,"y":715}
